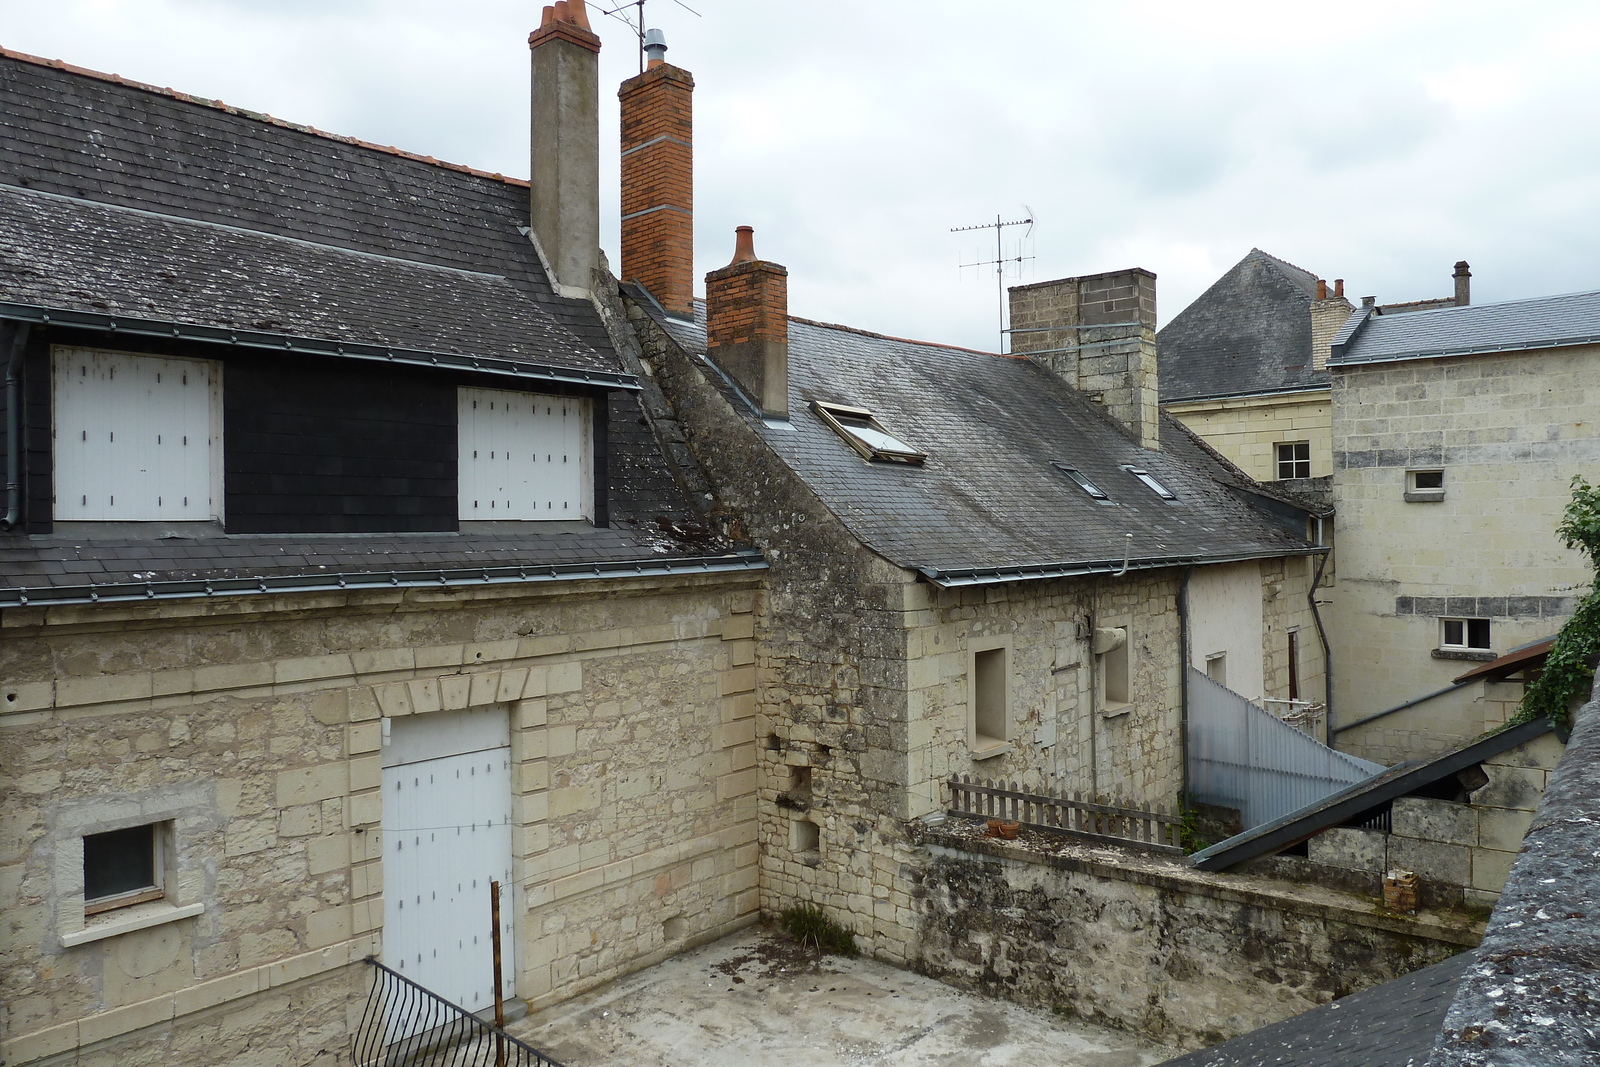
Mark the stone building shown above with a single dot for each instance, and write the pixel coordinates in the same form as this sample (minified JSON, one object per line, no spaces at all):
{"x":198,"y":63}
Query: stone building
{"x":342,"y":576}
{"x":1457,"y":432}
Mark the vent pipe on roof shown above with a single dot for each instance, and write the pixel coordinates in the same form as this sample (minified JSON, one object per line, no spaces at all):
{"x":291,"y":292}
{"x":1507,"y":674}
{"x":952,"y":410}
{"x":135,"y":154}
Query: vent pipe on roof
{"x":747,"y":325}
{"x":564,"y":180}
{"x":655,"y":47}
{"x":1463,"y":278}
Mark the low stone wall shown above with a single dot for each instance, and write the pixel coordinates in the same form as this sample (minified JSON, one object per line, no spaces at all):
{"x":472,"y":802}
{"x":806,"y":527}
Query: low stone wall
{"x":1461,"y":852}
{"x":1150,"y":944}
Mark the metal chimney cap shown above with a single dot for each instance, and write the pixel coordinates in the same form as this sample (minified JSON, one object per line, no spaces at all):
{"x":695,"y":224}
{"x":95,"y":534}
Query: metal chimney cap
{"x":655,"y":46}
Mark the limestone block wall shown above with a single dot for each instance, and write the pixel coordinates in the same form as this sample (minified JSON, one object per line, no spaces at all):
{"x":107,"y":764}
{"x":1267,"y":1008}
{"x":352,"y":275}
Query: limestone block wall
{"x":1509,"y":431}
{"x":1247,"y":430}
{"x":1461,"y":852}
{"x":251,"y":729}
{"x":1153,"y":945}
{"x":1285,"y":585}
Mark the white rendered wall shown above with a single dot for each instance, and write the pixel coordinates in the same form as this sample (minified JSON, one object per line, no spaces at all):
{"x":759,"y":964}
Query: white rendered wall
{"x":1225,"y":617}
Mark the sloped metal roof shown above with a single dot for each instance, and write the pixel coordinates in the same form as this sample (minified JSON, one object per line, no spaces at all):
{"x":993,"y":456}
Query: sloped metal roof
{"x":1544,"y":322}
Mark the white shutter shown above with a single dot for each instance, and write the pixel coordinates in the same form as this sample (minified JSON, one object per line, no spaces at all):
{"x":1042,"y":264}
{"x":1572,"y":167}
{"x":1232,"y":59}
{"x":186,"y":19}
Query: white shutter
{"x":522,"y":456}
{"x":134,"y":436}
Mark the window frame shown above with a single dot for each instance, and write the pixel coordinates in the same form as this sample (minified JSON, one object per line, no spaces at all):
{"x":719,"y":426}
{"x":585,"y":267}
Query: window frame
{"x":996,"y":660}
{"x":468,"y":509}
{"x":1149,"y":481}
{"x":1083,"y":482}
{"x":1117,"y":660}
{"x":1419,"y":494}
{"x":834,"y":416}
{"x":1466,"y":623}
{"x":1295,"y":461}
{"x":160,"y":832}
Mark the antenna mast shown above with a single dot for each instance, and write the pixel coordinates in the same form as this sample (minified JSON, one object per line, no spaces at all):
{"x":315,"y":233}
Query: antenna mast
{"x":999,"y":261}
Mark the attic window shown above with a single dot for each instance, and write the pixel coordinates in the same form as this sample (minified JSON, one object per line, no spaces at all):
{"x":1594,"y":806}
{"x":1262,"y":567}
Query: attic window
{"x":864,"y":433}
{"x":1150,"y":483}
{"x":1095,"y":492}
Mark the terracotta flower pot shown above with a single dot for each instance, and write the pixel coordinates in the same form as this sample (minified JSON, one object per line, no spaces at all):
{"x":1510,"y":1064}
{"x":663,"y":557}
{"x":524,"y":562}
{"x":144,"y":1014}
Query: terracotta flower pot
{"x":1004,"y":828}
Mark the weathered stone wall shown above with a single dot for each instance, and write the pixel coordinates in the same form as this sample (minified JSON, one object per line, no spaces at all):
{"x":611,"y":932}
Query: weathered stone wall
{"x":1461,"y":852}
{"x":1509,"y":431}
{"x":252,"y":728}
{"x":1151,"y":944}
{"x":1248,"y":430}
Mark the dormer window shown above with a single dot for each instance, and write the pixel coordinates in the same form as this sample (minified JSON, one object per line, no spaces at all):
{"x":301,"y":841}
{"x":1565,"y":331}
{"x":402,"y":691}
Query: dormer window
{"x":1082,"y":481}
{"x":864,"y":433}
{"x":1150,"y":483}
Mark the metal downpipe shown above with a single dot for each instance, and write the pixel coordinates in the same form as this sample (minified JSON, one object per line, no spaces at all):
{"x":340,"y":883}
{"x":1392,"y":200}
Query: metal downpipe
{"x":19,"y":342}
{"x":1183,"y":688}
{"x":1327,"y":653}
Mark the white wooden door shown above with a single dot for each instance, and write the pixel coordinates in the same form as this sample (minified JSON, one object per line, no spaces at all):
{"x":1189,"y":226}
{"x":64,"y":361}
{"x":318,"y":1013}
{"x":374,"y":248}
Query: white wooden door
{"x":447,"y":835}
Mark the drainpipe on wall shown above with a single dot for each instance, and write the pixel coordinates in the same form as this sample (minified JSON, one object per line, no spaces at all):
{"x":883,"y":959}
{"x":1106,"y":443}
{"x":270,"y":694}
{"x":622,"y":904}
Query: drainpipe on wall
{"x":19,"y":341}
{"x":1183,"y":687}
{"x":1327,"y":653}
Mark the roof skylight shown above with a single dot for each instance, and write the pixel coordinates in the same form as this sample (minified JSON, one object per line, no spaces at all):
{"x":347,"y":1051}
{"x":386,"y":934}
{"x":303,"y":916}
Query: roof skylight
{"x":1150,"y":482}
{"x":1095,"y":492}
{"x":864,"y":433}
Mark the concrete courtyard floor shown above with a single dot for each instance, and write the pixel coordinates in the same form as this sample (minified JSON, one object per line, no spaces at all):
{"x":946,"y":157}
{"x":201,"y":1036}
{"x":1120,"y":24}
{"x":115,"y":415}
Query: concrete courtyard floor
{"x":755,"y":998}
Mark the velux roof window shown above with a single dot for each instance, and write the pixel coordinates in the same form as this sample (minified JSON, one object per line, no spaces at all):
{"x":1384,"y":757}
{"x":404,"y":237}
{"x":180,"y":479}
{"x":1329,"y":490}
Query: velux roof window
{"x":1150,"y":482}
{"x":866,"y":434}
{"x":1082,"y":481}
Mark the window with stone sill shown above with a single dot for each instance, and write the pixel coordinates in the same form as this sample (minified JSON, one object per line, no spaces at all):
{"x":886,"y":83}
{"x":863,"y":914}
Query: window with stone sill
{"x":123,"y":881}
{"x":1464,"y":639}
{"x":1424,"y":486}
{"x":990,"y":701}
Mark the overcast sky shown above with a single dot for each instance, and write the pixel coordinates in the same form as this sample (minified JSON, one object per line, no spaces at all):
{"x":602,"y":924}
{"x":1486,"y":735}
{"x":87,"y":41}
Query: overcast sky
{"x":1375,"y":142}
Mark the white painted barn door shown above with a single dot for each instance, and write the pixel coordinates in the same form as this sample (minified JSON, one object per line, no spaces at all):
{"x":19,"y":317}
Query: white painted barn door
{"x":447,"y":835}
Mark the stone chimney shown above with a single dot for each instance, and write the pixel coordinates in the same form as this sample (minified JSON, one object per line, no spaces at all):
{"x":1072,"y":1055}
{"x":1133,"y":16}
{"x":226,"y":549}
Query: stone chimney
{"x":1328,"y":314}
{"x":1098,"y":334}
{"x":564,"y":187}
{"x":658,"y":181}
{"x":747,"y":325}
{"x":1463,"y":284}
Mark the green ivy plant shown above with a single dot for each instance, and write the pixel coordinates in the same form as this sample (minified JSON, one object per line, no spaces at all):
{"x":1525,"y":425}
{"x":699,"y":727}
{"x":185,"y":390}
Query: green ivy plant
{"x":1569,"y":666}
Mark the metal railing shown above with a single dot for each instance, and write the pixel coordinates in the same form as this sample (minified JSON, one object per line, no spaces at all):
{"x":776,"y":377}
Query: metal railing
{"x":406,"y":1025}
{"x":1157,"y":831}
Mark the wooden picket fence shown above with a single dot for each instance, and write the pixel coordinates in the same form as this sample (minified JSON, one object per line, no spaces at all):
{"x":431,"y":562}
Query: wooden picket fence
{"x":1156,"y":831}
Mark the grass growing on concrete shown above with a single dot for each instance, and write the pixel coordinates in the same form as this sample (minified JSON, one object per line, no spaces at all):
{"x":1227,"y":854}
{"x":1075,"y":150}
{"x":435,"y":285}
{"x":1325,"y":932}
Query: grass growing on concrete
{"x":807,"y":924}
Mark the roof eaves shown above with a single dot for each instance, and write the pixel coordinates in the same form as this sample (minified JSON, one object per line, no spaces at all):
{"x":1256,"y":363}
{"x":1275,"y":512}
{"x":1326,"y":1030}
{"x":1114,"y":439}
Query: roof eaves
{"x":1332,"y":810}
{"x":1320,"y":387}
{"x":355,"y":581}
{"x":277,"y":342}
{"x":1468,"y":350}
{"x":960,"y":577}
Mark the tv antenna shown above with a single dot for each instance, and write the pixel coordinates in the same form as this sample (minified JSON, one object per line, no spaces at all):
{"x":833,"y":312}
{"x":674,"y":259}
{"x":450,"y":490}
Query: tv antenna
{"x":1000,"y":260}
{"x":638,"y":29}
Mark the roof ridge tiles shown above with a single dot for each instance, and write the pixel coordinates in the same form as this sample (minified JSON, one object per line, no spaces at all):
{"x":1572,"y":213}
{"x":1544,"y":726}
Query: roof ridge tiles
{"x":902,"y":340}
{"x":257,"y":116}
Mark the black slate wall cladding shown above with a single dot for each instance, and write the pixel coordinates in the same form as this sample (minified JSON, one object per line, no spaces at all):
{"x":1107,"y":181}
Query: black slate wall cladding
{"x":312,"y":446}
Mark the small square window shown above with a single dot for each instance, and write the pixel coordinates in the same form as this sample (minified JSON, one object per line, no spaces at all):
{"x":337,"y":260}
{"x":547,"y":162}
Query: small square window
{"x":1150,"y":483}
{"x":122,"y":868}
{"x":1468,"y":634}
{"x":1424,"y":485}
{"x":1294,"y":459}
{"x":864,"y":433}
{"x":1082,"y":481}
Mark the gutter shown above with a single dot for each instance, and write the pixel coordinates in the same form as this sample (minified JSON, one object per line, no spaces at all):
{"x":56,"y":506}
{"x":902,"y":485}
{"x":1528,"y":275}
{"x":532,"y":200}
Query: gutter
{"x":960,"y":577}
{"x":357,"y":581}
{"x":19,"y":342}
{"x":164,"y":329}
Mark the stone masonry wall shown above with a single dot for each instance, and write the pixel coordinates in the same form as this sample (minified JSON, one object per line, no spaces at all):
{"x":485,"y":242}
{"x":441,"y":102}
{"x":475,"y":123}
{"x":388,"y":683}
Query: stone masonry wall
{"x":1152,"y":945}
{"x":252,"y":729}
{"x":1461,"y":852}
{"x":1248,"y":430}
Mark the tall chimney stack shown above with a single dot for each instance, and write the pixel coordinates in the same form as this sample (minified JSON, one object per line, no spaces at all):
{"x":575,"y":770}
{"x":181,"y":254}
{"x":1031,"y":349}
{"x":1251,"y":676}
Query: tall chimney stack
{"x":658,"y":181}
{"x":747,"y":325}
{"x":564,"y":190}
{"x":1463,"y":284}
{"x":1329,"y":312}
{"x":1098,"y":334}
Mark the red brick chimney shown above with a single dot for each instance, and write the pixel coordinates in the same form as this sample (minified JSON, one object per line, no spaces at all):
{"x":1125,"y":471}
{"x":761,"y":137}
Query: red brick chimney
{"x":747,"y":325}
{"x":564,"y":185}
{"x":658,"y":181}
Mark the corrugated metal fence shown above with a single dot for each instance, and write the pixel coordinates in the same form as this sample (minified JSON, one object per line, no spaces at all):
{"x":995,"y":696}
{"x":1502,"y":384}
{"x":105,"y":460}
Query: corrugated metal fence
{"x":1242,"y":756}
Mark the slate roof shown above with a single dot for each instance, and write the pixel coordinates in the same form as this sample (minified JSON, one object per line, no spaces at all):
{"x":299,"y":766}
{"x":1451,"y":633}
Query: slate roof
{"x":124,"y":202}
{"x":1544,"y":322}
{"x":1249,"y":333}
{"x":1388,"y":1025}
{"x":989,"y":504}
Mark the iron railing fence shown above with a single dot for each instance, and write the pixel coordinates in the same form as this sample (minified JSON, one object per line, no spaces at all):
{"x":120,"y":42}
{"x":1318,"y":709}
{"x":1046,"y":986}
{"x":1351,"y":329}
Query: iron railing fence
{"x":407,"y":1025}
{"x":1159,"y":830}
